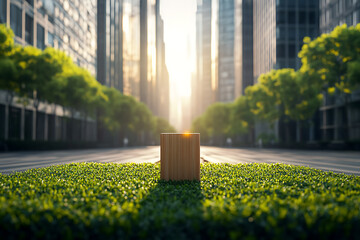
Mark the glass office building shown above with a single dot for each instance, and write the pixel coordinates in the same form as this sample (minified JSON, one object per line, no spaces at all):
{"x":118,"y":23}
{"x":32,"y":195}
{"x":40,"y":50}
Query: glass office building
{"x":162,"y":74}
{"x":279,"y":29}
{"x":109,"y":38}
{"x":203,"y":88}
{"x":243,"y":45}
{"x":131,"y":49}
{"x":68,"y":25}
{"x":226,"y":68}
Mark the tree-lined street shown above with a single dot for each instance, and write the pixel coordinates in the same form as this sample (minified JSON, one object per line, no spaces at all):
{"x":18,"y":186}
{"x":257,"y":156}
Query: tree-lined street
{"x":342,"y":162}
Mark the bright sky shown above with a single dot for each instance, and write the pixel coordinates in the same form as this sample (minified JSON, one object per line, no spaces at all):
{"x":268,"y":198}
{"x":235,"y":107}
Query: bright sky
{"x":179,"y":35}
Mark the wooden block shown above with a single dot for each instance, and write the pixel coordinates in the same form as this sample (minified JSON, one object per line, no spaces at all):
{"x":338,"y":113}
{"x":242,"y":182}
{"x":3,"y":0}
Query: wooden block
{"x":180,"y":156}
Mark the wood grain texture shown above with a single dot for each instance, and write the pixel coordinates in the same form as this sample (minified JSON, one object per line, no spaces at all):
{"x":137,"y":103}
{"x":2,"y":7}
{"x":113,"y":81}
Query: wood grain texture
{"x":180,"y":156}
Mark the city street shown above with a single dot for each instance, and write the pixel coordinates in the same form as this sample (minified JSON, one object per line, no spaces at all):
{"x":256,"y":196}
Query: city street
{"x":345,"y":162}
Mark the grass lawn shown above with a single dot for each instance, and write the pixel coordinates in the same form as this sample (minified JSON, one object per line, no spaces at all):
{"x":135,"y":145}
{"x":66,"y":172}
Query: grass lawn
{"x":90,"y":200}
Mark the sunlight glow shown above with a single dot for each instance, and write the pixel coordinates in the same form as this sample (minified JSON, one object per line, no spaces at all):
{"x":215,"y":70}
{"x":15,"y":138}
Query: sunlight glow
{"x":179,"y":35}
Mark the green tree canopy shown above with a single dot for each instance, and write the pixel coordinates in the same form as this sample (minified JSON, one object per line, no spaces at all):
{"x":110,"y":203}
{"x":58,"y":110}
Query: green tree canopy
{"x":241,"y":117}
{"x":6,"y":41}
{"x":331,"y":56}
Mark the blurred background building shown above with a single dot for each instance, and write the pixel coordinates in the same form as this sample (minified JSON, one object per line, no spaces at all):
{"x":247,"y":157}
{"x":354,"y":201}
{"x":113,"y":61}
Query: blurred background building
{"x":338,"y":121}
{"x":131,"y":51}
{"x":243,"y":45}
{"x":121,"y":42}
{"x":279,"y":30}
{"x":68,"y":25}
{"x":202,"y":91}
{"x":251,"y":37}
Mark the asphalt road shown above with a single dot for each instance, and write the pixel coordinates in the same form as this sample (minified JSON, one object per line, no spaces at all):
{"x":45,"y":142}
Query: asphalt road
{"x":344,"y":162}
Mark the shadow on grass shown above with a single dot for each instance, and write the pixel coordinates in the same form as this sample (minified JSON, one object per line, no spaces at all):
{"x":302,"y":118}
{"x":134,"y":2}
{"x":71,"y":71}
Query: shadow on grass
{"x":171,"y":210}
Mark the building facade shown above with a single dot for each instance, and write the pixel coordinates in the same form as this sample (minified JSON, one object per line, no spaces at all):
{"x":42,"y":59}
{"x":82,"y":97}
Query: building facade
{"x":279,"y":29}
{"x":202,"y":88}
{"x":162,"y":74}
{"x":243,"y":45}
{"x":69,"y":26}
{"x":339,"y":122}
{"x":226,"y":37}
{"x":131,"y":51}
{"x":109,"y":38}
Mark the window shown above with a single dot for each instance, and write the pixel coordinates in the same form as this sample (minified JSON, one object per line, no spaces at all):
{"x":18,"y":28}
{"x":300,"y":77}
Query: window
{"x":50,"y":39}
{"x":312,"y":17}
{"x":292,"y":33}
{"x":302,"y":17}
{"x":29,"y":29}
{"x":303,"y":3}
{"x":15,"y":20}
{"x":280,"y":17}
{"x":280,"y":51}
{"x":40,"y":35}
{"x":280,"y":32}
{"x":292,"y":51}
{"x":291,"y":17}
{"x":292,"y":3}
{"x":2,"y":11}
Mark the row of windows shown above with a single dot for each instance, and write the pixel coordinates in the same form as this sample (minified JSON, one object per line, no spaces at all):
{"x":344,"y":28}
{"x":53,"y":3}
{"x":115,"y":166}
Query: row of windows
{"x":286,"y":50}
{"x":16,"y":25}
{"x":289,"y":17}
{"x":295,"y":33}
{"x":340,"y":3}
{"x":294,"y":3}
{"x":43,"y":37}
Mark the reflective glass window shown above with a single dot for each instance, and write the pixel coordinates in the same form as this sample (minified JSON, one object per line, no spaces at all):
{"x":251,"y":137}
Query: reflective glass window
{"x":29,"y":29}
{"x":16,"y":20}
{"x":40,"y":37}
{"x":2,"y":11}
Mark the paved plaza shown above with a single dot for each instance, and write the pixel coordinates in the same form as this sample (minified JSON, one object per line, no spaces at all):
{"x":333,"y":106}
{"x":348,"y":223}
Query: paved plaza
{"x":336,"y":161}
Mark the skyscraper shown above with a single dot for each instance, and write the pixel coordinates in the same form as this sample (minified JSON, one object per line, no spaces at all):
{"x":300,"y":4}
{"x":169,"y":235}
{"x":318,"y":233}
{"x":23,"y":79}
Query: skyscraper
{"x":279,"y":29}
{"x":162,"y":75}
{"x":226,"y":36}
{"x":243,"y":46}
{"x":109,"y":38}
{"x":202,"y":90}
{"x":131,"y":48}
{"x":131,"y":51}
{"x":66,"y":25}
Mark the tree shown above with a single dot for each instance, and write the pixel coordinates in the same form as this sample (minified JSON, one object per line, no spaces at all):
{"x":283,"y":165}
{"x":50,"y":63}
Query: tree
{"x":330,"y":57}
{"x":241,"y":117}
{"x":217,"y":121}
{"x":7,"y":70}
{"x":6,"y":41}
{"x":162,"y":126}
{"x":332,"y":60}
{"x":284,"y":93}
{"x":199,"y":126}
{"x":119,"y":112}
{"x":262,"y":100}
{"x":144,"y":122}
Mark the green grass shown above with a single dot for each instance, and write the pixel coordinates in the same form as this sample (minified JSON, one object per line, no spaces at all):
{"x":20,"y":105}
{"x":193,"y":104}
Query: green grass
{"x":90,"y":200}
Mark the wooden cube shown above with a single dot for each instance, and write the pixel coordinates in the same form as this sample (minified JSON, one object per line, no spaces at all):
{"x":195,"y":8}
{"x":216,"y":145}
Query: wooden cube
{"x":180,"y":156}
